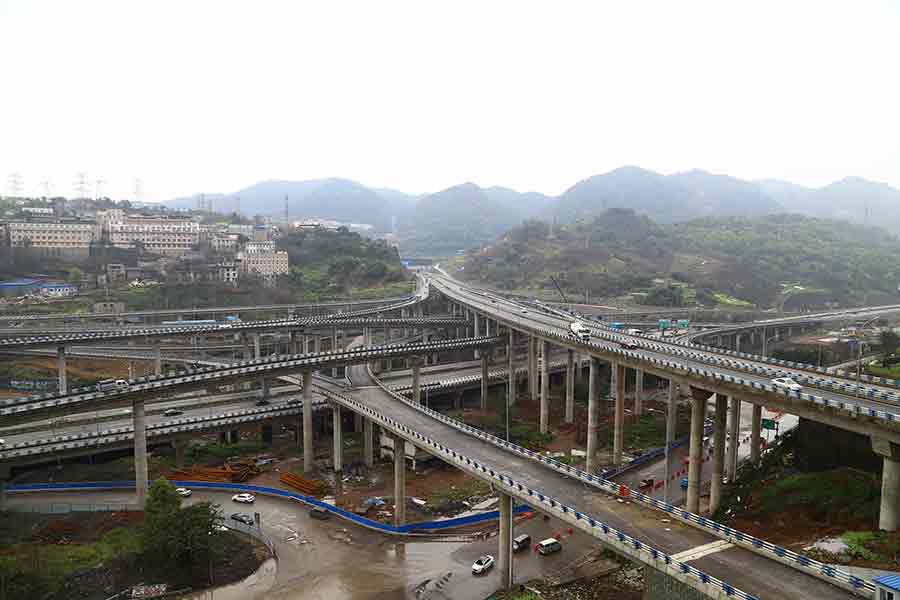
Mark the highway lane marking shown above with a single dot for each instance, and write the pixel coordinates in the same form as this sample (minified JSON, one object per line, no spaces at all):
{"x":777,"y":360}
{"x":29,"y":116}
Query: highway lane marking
{"x":701,"y":551}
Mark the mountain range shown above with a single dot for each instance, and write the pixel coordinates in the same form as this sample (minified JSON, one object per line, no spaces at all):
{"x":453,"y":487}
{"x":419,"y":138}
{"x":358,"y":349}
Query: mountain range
{"x":466,"y":215}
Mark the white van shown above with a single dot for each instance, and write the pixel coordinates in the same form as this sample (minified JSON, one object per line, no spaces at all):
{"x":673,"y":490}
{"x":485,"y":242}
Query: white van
{"x":549,"y":546}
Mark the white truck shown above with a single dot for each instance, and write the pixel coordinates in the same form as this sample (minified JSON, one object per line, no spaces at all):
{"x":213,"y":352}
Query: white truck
{"x":580,"y":331}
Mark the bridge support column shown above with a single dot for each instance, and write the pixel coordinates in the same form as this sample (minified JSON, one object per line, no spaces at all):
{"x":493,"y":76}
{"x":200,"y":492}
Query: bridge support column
{"x":308,"y":449}
{"x":399,"y":481}
{"x":338,"y":458}
{"x":180,"y":446}
{"x":505,"y":551}
{"x":256,"y":348}
{"x":477,"y":332}
{"x":4,"y":476}
{"x":157,"y":358}
{"x":416,"y":363}
{"x":889,"y":514}
{"x":368,"y":442}
{"x":695,"y":464}
{"x":618,"y":384}
{"x":532,"y":368}
{"x":61,"y":369}
{"x":306,"y":344}
{"x":734,"y":430}
{"x":545,"y":387}
{"x":718,"y":458}
{"x":671,"y":425}
{"x":593,"y":415}
{"x":737,"y":342}
{"x":755,"y":432}
{"x":484,"y":379}
{"x":570,"y":386}
{"x":265,"y":434}
{"x":511,"y":370}
{"x":334,"y":342}
{"x":140,"y":451}
{"x":638,"y":393}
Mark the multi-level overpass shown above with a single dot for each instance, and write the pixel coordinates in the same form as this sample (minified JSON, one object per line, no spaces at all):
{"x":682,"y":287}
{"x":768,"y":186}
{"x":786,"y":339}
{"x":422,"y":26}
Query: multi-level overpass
{"x":551,"y":487}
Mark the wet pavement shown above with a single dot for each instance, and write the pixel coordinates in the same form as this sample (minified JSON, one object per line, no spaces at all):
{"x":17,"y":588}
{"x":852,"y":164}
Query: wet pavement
{"x":335,"y":560}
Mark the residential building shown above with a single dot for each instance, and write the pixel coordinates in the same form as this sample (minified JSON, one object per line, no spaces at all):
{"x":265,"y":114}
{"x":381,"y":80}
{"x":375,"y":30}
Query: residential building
{"x":155,"y":234}
{"x":263,"y":260}
{"x":224,"y":242}
{"x":53,"y":236}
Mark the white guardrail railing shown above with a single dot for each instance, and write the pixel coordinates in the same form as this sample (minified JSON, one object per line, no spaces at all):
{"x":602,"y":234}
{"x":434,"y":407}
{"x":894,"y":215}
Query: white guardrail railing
{"x":119,"y":435}
{"x":832,"y":575}
{"x":262,"y":366}
{"x":845,"y":580}
{"x":619,"y":541}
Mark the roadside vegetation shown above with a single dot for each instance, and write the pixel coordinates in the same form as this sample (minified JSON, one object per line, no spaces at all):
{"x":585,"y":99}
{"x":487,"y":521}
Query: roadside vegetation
{"x":730,"y":262}
{"x":181,"y":546}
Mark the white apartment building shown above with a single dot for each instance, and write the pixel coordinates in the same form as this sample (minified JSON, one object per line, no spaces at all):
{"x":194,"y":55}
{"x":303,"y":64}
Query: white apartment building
{"x":262,"y":260}
{"x":159,"y":235}
{"x":53,"y":236}
{"x":224,"y":242}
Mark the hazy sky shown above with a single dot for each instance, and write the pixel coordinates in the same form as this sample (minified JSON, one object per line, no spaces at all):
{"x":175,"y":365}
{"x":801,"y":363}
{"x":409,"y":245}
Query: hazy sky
{"x":213,"y":96}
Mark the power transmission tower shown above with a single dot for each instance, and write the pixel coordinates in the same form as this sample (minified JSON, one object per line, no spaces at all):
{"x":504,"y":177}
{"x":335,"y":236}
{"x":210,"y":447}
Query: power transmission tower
{"x":81,"y":185}
{"x":98,"y":187}
{"x":15,"y":185}
{"x":238,"y":206}
{"x":287,"y":220}
{"x":47,"y":187}
{"x":138,"y":189}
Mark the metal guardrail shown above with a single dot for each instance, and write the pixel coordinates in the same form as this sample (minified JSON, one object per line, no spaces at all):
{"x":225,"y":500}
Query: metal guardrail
{"x":244,"y":369}
{"x":620,"y":541}
{"x":850,"y":582}
{"x":64,"y":508}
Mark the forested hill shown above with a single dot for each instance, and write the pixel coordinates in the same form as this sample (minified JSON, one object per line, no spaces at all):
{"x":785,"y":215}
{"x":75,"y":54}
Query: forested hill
{"x":767,"y":261}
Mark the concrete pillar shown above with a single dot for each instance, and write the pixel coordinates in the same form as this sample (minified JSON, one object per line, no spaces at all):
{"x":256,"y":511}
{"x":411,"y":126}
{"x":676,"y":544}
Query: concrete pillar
{"x":734,"y":430}
{"x":671,"y":425}
{"x":505,"y":551}
{"x":317,"y":343}
{"x":484,"y":379}
{"x":305,"y":344}
{"x":511,"y":369}
{"x":618,"y":382}
{"x":889,"y":514}
{"x":180,"y":446}
{"x":61,"y":369}
{"x":338,"y":458}
{"x":570,"y":386}
{"x":755,"y":432}
{"x":698,"y":414}
{"x":718,"y":457}
{"x":308,"y":449}
{"x":593,"y":415}
{"x":256,"y":348}
{"x":368,"y":442}
{"x":334,"y":347}
{"x":399,"y":481}
{"x":545,"y":387}
{"x":477,"y":332}
{"x":416,"y":378}
{"x":265,"y":433}
{"x":532,"y":368}
{"x":140,"y":451}
{"x":737,"y":342}
{"x":157,"y":358}
{"x":638,"y":393}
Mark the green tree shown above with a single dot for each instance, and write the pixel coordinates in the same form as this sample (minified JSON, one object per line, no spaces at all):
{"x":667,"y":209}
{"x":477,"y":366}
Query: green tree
{"x":890,"y":341}
{"x":160,"y":535}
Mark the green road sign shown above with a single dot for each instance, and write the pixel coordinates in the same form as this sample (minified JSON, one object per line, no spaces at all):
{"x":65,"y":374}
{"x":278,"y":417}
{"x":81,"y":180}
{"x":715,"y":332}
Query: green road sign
{"x":769,"y":424}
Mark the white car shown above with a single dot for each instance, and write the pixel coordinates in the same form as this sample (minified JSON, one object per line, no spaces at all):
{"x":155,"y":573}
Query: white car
{"x":244,"y":498}
{"x":183,"y":492}
{"x":786,"y":383}
{"x":483,"y":564}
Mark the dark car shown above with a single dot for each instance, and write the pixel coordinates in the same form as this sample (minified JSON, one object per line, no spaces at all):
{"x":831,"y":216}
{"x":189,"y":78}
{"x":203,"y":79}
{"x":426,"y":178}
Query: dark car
{"x":243,"y":518}
{"x":627,"y":346}
{"x":320,"y":514}
{"x":263,"y":402}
